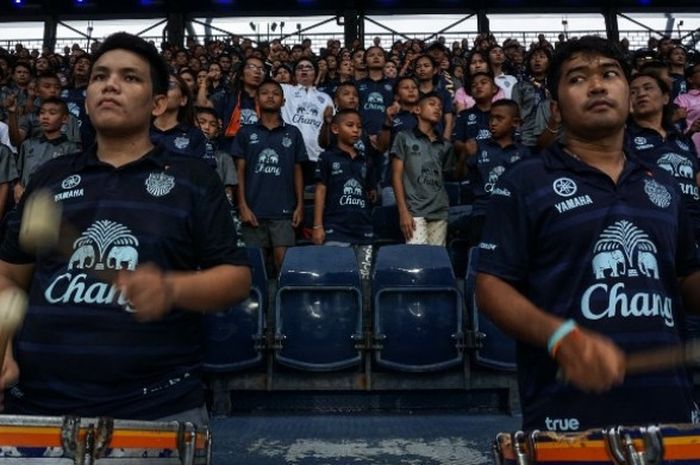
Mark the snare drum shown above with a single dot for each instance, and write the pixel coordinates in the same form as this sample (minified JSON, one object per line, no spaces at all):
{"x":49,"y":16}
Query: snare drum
{"x":84,"y":441}
{"x":650,"y":445}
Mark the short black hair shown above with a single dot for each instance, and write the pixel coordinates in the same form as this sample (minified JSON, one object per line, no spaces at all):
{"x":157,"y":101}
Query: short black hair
{"x":375,"y":46}
{"x":313,"y":63}
{"x":147,"y":51}
{"x":56,"y":101}
{"x":508,"y":103}
{"x":48,"y":75}
{"x":587,"y":45}
{"x":206,"y":111}
{"x":428,"y":95}
{"x":269,"y":81}
{"x":400,"y":79}
{"x":343,"y":113}
{"x":345,"y":84}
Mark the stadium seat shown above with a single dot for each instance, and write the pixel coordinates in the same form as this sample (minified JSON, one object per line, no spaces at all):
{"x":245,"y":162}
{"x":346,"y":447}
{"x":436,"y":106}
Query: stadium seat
{"x":386,"y":225}
{"x":497,"y":350}
{"x":417,"y":309}
{"x":232,"y":336}
{"x":318,"y":311}
{"x":453,"y":193}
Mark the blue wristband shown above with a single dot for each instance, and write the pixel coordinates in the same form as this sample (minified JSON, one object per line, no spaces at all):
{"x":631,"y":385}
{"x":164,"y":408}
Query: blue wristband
{"x":560,"y":333}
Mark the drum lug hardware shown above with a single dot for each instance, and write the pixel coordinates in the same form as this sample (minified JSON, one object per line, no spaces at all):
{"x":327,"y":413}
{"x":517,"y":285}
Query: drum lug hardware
{"x":623,"y":452}
{"x":653,"y":445}
{"x":532,"y":446}
{"x":105,"y":427}
{"x":88,"y":447}
{"x":517,"y":441}
{"x":69,"y":436}
{"x":186,"y":439}
{"x":496,"y":448}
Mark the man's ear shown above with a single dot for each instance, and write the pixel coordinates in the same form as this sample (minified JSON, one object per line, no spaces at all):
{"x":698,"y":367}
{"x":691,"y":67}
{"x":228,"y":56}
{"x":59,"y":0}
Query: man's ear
{"x":160,"y":104}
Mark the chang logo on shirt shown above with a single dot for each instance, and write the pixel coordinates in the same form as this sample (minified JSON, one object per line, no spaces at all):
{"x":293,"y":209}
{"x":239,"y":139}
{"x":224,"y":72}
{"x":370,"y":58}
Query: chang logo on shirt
{"x":658,"y":194}
{"x":182,"y":142}
{"x":248,"y":116}
{"x":159,"y":184}
{"x":308,"y":114}
{"x":430,"y":178}
{"x":623,"y":249}
{"x":268,"y":163}
{"x":375,"y":102}
{"x":677,"y":165}
{"x":352,"y":194}
{"x":105,"y":245}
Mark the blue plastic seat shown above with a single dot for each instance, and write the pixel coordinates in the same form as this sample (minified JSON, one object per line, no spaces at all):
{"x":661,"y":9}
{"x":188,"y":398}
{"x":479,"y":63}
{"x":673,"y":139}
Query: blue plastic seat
{"x":417,"y":309}
{"x":232,"y":336}
{"x":497,"y":350}
{"x":318,"y":313}
{"x":386,"y":225}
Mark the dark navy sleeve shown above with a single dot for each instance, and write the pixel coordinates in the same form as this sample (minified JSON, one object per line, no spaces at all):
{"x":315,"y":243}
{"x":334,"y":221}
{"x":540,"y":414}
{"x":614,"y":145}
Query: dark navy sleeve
{"x":300,"y":154}
{"x":215,"y":239}
{"x":687,"y":259}
{"x":446,"y":102}
{"x":322,"y":174}
{"x":459,"y":133}
{"x":505,"y":244}
{"x":371,"y":175}
{"x":239,"y":142}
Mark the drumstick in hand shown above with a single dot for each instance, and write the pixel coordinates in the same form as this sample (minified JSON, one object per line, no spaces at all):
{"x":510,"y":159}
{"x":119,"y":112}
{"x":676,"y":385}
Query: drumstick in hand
{"x":13,"y":307}
{"x":664,"y":358}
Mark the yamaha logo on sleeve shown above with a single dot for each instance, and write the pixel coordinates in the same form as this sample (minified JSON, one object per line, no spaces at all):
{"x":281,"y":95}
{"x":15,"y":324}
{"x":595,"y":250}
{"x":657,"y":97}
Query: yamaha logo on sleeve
{"x":564,"y":187}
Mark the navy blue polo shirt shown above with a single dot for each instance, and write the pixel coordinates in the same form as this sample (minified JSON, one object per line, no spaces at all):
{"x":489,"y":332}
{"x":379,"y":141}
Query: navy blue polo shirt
{"x":403,"y":120}
{"x":184,"y":140}
{"x":329,"y":87}
{"x":676,"y":154}
{"x":346,"y":212}
{"x":80,"y":349}
{"x":270,"y":156}
{"x":375,"y":97}
{"x":75,"y":100}
{"x":607,"y":255}
{"x":472,"y":124}
{"x":487,"y":166}
{"x":225,"y":102}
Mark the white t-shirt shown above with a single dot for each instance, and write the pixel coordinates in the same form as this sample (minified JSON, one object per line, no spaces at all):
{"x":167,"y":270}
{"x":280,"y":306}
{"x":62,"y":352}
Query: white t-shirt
{"x":506,"y":82}
{"x":304,"y":108}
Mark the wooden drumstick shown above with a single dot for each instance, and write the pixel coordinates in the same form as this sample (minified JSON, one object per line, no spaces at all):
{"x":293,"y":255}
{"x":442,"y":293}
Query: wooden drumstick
{"x":13,"y":307}
{"x":42,"y":230}
{"x":664,"y":358}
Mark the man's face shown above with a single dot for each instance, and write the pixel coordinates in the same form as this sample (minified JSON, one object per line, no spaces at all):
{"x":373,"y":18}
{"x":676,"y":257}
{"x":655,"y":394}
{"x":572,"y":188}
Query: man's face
{"x":253,"y":72}
{"x":430,"y":109}
{"x":304,"y":73}
{"x":646,"y":97}
{"x":665,"y":46}
{"x":424,"y":69}
{"x":483,"y":88}
{"x":51,"y":117}
{"x":497,"y":56}
{"x":181,"y":58}
{"x":21,"y":76}
{"x":375,"y":58}
{"x":225,"y":63}
{"x":270,"y":97}
{"x":208,"y":124}
{"x":48,"y":87}
{"x":120,"y":96}
{"x":593,"y":97}
{"x":539,"y":62}
{"x":358,"y":60}
{"x":42,"y":64}
{"x":347,"y":98}
{"x":407,"y":92}
{"x":677,"y":57}
{"x":82,"y":67}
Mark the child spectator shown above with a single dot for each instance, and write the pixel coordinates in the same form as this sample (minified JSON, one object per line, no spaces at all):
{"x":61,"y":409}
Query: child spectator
{"x":268,"y":157}
{"x":427,"y":73}
{"x":473,"y":124}
{"x":400,"y":115}
{"x":36,"y":151}
{"x":419,"y":160}
{"x":225,"y":168}
{"x":493,"y":158}
{"x":345,"y":189}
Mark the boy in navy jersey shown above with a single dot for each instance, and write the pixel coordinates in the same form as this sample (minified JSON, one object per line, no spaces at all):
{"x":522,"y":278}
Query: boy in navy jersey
{"x":345,"y":190}
{"x":225,"y":168}
{"x":37,"y":150}
{"x":419,"y":160}
{"x":472,"y":125}
{"x":159,"y":222}
{"x":493,"y":158}
{"x":268,"y":157}
{"x":586,"y":254}
{"x":399,"y":115}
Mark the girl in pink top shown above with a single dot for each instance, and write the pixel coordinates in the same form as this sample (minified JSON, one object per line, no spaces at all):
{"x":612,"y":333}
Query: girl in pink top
{"x":690,"y":102}
{"x":476,"y":62}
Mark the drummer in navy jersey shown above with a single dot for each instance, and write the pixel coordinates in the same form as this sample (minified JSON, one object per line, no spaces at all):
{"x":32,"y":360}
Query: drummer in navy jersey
{"x":376,"y":91}
{"x":175,"y":128}
{"x":654,"y":138}
{"x":588,"y":253}
{"x":160,"y":224}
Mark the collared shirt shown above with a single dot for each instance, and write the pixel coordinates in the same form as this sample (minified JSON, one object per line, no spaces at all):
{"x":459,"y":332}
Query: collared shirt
{"x":528,"y":95}
{"x":346,"y":211}
{"x":225,"y":167}
{"x":606,"y":255}
{"x":489,"y":163}
{"x":225,"y":102}
{"x":36,"y":151}
{"x":403,"y":121}
{"x":270,"y":157}
{"x":676,"y":154}
{"x":8,"y":166}
{"x":30,"y":124}
{"x":75,"y":100}
{"x":472,"y":124}
{"x":425,"y":163}
{"x":304,"y":108}
{"x":80,"y":348}
{"x":184,"y":140}
{"x":375,"y":97}
{"x":506,"y":82}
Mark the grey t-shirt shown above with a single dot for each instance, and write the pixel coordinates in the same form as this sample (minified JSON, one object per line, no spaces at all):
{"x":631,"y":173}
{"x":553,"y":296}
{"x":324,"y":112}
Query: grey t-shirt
{"x":225,"y":168}
{"x":425,"y":162}
{"x":30,"y":124}
{"x":35,"y":152}
{"x":8,"y":166}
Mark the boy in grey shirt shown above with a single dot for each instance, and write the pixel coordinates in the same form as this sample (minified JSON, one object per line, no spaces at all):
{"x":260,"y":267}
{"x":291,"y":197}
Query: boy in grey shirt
{"x":52,"y":143}
{"x":420,"y":157}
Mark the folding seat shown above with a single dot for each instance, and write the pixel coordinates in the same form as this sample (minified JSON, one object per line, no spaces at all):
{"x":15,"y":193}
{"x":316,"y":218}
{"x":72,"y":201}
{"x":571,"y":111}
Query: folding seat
{"x":496,"y":350}
{"x":457,"y":238}
{"x":318,"y":314}
{"x":232,"y":337}
{"x":386,"y":225}
{"x":417,"y":309}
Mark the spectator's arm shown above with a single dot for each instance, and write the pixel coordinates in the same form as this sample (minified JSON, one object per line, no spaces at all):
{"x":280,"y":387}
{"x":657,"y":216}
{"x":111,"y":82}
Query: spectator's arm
{"x":319,"y":234}
{"x":202,"y":99}
{"x":405,"y":219}
{"x":449,"y":119}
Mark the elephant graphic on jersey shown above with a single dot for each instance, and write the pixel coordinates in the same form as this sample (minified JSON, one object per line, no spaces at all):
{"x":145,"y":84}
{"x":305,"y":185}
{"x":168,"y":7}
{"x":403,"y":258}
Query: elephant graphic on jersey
{"x":609,"y":260}
{"x":647,"y":264}
{"x":83,"y":257}
{"x":685,"y":171}
{"x":120,"y":255}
